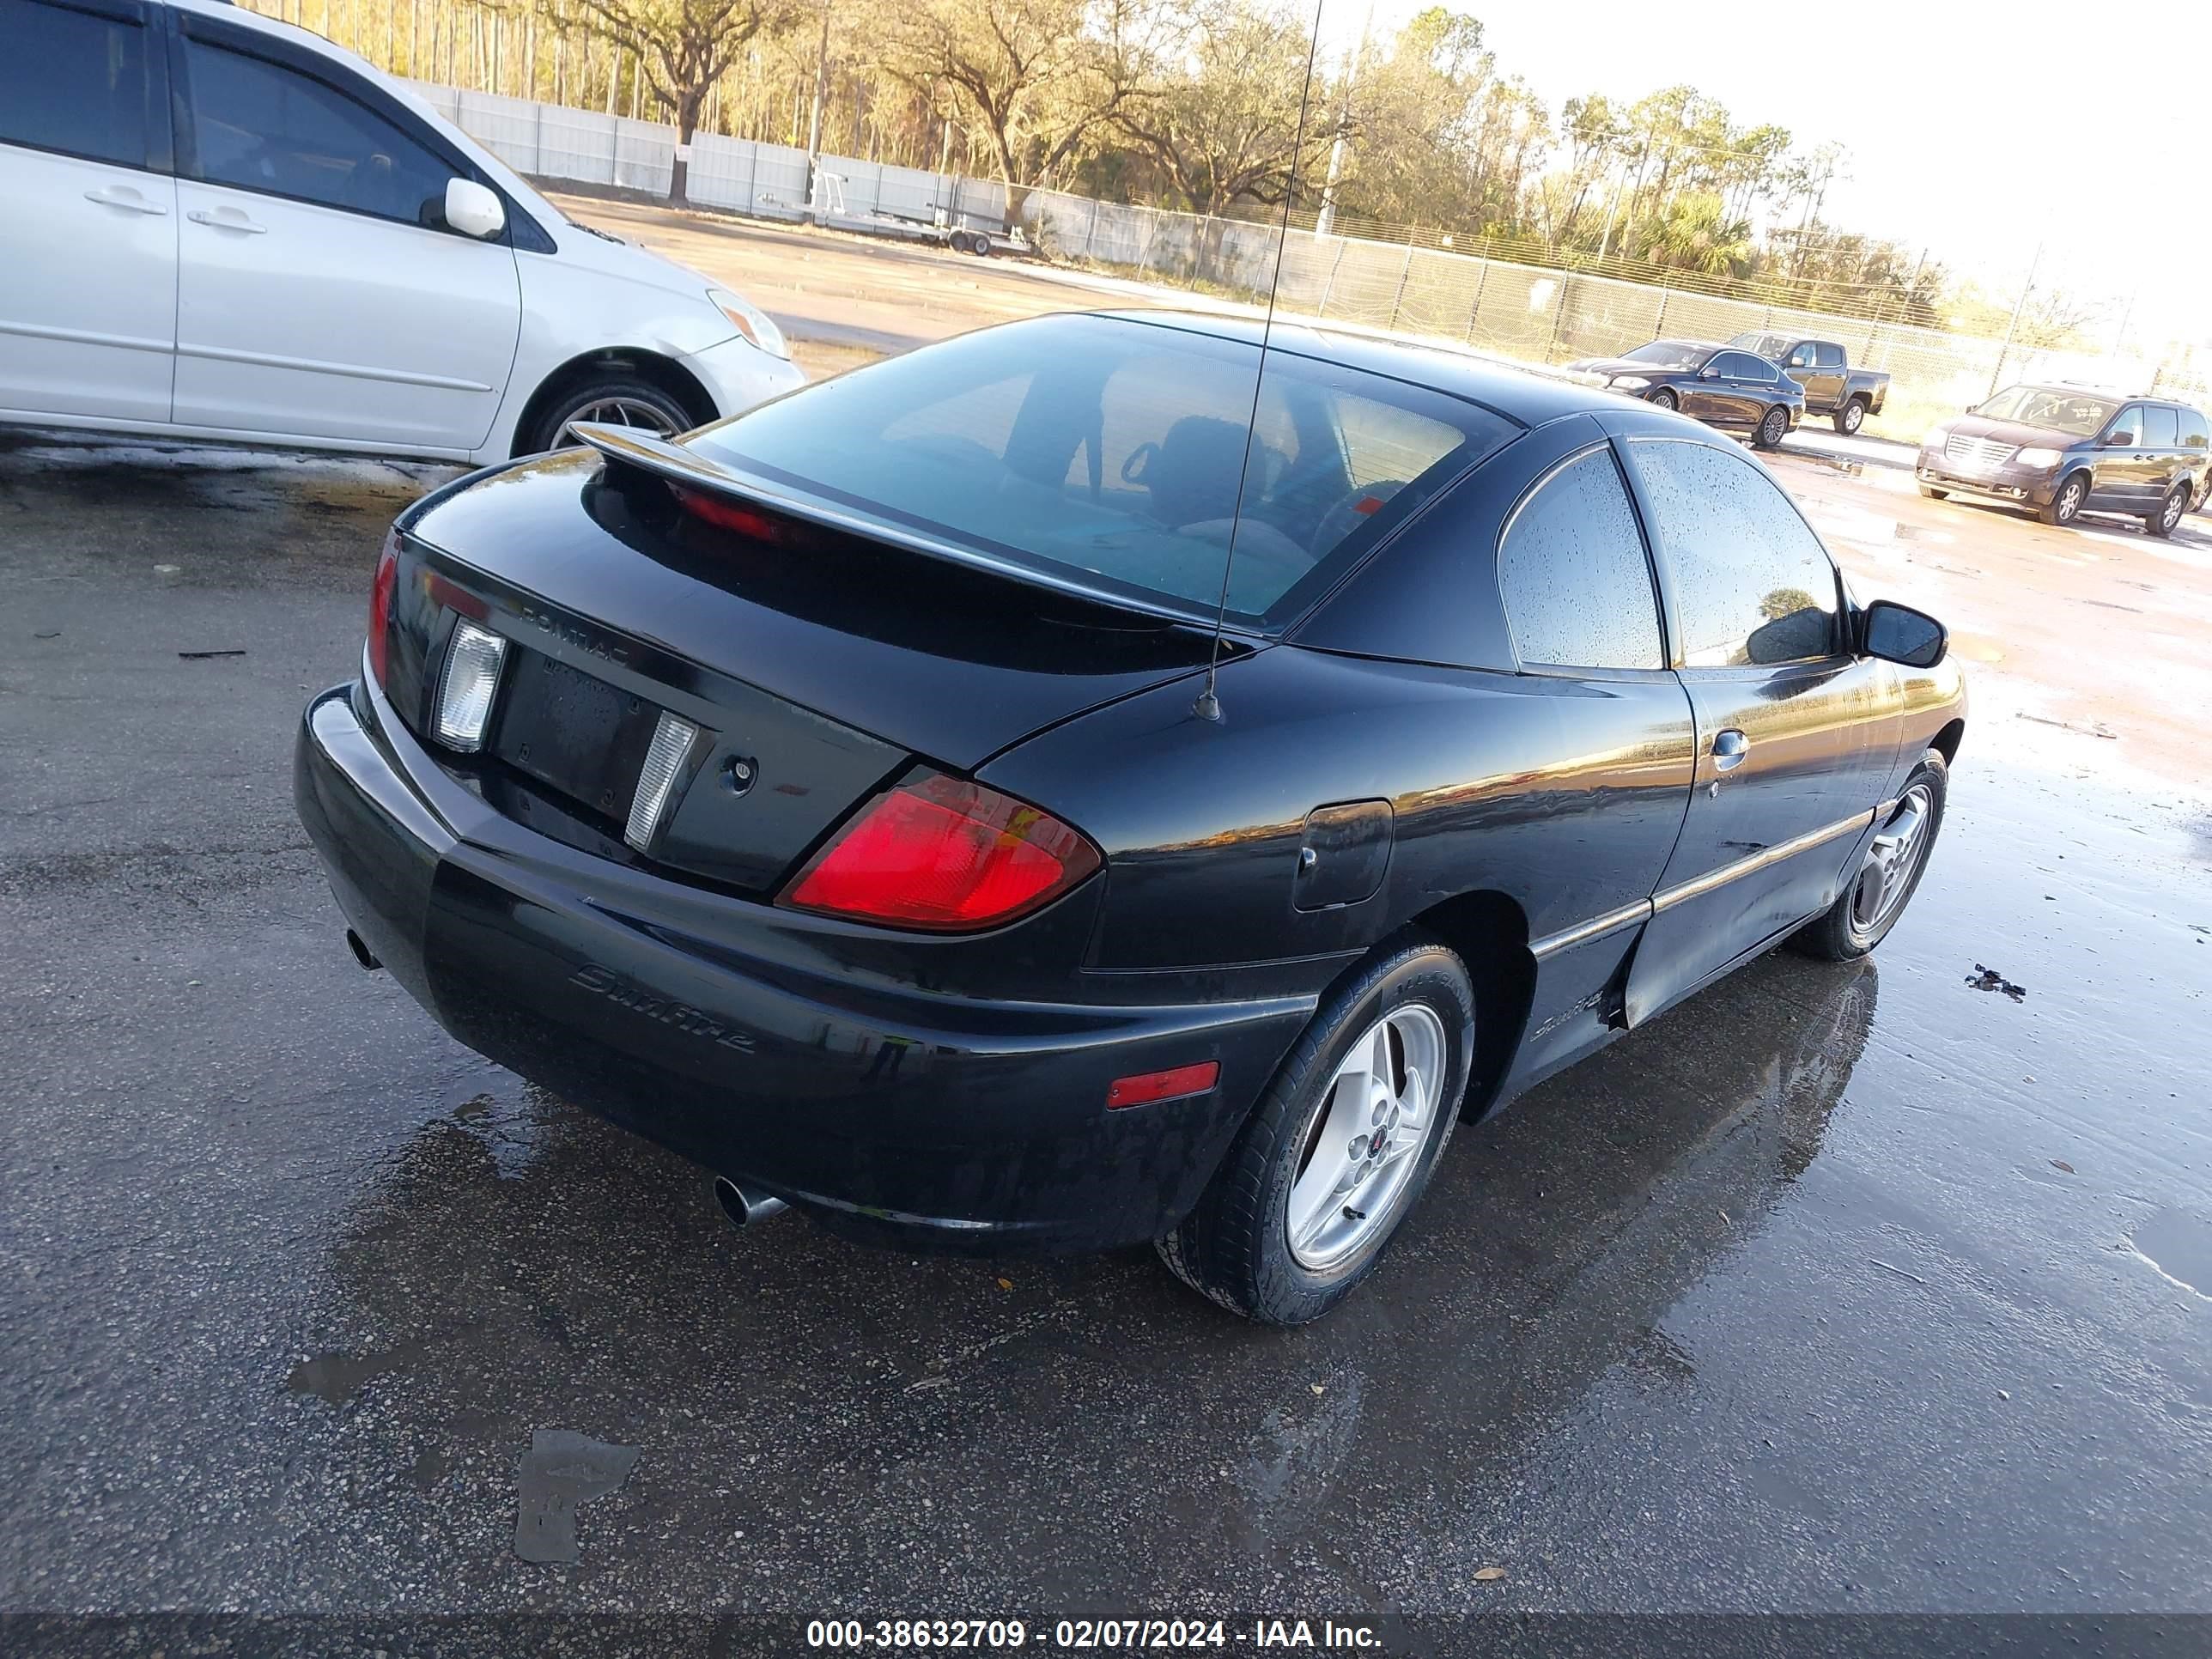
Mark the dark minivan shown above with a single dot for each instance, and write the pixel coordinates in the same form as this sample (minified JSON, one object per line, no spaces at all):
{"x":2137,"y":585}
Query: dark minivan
{"x":2066,"y":450}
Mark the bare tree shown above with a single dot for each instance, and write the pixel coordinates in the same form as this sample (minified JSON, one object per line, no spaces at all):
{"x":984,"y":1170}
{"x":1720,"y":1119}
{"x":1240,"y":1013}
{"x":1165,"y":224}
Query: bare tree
{"x":681,"y":46}
{"x":1036,"y":76}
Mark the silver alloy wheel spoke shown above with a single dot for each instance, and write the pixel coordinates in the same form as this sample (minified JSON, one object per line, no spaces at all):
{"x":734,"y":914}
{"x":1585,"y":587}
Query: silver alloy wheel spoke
{"x":614,"y":411}
{"x":1381,"y":1109}
{"x":1892,"y":859}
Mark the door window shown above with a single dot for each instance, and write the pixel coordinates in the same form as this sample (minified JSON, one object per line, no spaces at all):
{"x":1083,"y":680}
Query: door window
{"x":1752,"y":583}
{"x":1574,"y":575}
{"x":2159,"y":428}
{"x":1828,"y":357}
{"x":260,"y":126}
{"x":2127,"y":424}
{"x":1804,"y":356}
{"x":73,"y":80}
{"x":1742,"y":366}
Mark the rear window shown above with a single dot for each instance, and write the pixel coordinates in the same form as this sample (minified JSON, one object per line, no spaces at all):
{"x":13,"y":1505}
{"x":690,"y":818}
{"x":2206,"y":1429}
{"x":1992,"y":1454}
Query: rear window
{"x":1108,"y":453}
{"x":2193,"y":434}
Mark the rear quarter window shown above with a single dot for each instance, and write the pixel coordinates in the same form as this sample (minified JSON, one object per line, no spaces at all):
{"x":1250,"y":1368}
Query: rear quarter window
{"x":1573,"y":574}
{"x":2194,"y":434}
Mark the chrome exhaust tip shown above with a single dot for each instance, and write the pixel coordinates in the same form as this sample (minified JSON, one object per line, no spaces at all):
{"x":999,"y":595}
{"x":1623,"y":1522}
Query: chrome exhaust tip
{"x":362,"y":953}
{"x":745,"y":1206}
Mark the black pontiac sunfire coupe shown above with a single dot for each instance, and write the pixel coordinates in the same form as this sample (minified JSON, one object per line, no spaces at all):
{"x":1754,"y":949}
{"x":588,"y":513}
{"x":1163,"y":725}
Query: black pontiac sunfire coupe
{"x":898,"y":800}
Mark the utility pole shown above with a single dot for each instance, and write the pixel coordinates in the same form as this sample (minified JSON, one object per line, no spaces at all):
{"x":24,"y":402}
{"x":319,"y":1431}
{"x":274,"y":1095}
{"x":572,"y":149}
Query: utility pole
{"x":1326,"y":223}
{"x":2012,"y":327}
{"x":814,"y":192}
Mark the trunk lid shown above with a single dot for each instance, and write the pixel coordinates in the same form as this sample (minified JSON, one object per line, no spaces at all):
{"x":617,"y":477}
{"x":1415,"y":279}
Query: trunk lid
{"x":815,"y":672}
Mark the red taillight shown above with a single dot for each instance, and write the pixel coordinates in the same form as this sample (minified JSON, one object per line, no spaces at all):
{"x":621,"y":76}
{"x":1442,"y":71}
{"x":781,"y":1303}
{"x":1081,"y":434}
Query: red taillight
{"x":380,"y":605}
{"x":940,"y":853}
{"x":1170,"y":1085}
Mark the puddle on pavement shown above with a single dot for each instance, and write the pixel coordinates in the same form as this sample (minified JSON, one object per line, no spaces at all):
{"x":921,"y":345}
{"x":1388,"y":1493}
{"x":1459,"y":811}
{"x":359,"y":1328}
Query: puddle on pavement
{"x":334,"y":1377}
{"x":2178,"y":1244}
{"x":561,"y":1470}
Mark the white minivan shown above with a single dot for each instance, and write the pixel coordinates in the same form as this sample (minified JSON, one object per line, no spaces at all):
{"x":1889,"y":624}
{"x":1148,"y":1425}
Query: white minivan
{"x":217,"y":225}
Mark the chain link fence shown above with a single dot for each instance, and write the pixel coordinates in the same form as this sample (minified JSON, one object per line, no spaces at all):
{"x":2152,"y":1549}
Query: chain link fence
{"x":1506,"y":308}
{"x":1545,"y":314}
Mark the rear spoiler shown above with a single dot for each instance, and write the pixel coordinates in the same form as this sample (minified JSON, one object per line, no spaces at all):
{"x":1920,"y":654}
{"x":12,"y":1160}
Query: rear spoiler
{"x":682,"y":466}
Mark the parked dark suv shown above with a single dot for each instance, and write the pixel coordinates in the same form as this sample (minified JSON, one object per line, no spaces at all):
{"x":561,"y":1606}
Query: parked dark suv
{"x":2066,"y":450}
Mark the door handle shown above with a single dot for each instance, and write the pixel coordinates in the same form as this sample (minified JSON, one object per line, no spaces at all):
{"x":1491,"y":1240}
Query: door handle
{"x":225,"y":219}
{"x":1729,"y":747}
{"x":122,"y":196}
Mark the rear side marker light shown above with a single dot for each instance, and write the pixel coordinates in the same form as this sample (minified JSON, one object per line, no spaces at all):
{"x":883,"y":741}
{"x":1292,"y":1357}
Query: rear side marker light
{"x":944,"y":855}
{"x":380,"y":591}
{"x":671,"y":741}
{"x":1170,"y":1085}
{"x":467,"y":686}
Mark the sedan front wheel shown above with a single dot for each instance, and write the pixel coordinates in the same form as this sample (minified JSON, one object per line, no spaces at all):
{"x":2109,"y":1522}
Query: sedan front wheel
{"x":1888,"y":873}
{"x":1339,"y":1149}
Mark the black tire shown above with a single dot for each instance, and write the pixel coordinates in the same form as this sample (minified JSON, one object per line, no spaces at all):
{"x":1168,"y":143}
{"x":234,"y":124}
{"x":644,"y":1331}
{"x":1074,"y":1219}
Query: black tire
{"x":1836,"y":934}
{"x":1773,"y":427}
{"x":2065,"y":503}
{"x":2164,"y":522}
{"x":1934,"y":494}
{"x":614,"y":386}
{"x":1235,"y":1246}
{"x":1852,"y":416}
{"x":1664,"y":397}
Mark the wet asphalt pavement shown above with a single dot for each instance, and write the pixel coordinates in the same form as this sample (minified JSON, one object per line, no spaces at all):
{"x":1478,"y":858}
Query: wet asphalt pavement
{"x":1859,"y":1289}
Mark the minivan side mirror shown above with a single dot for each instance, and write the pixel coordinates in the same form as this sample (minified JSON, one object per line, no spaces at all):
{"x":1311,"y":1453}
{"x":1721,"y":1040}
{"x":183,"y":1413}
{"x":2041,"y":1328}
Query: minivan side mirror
{"x":473,"y":211}
{"x":1897,"y":632}
{"x":2120,"y":440}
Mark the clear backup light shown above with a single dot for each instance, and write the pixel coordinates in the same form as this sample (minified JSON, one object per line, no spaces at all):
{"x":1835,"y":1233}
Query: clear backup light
{"x":466,"y":687}
{"x":671,"y":741}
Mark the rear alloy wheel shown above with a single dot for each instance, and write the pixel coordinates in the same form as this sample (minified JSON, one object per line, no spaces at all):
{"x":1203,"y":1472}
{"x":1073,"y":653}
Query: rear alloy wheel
{"x":2168,"y":516}
{"x":619,"y":400}
{"x":1339,"y":1149}
{"x":1852,"y":416}
{"x":2066,"y":506}
{"x":1663,"y":399}
{"x":1889,"y":871}
{"x":1773,"y":428}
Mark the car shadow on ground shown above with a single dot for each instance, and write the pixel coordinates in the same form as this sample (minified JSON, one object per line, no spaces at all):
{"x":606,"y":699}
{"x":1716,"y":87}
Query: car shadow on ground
{"x":520,"y":1265}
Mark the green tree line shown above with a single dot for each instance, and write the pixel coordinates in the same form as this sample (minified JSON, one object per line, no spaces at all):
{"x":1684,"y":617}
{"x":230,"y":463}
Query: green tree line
{"x":1218,"y":107}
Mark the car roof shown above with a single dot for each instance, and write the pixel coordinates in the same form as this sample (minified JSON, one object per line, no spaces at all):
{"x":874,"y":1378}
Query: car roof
{"x":1531,"y":396}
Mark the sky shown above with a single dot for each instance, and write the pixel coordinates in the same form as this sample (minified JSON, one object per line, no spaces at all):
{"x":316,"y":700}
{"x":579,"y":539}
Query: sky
{"x":1980,"y":130}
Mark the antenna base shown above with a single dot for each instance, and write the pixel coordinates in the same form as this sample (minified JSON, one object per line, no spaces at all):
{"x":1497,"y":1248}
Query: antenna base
{"x":1208,"y":707}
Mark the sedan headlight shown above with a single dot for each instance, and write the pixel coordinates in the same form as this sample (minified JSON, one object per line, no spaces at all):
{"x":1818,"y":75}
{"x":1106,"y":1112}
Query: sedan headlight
{"x":2041,"y":459}
{"x":756,"y":324}
{"x":1630,"y":382}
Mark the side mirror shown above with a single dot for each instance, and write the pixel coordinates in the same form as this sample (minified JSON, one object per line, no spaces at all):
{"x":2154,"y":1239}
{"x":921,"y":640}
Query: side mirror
{"x":1897,"y":632}
{"x":1709,"y":372}
{"x":473,"y":211}
{"x":2120,"y":441}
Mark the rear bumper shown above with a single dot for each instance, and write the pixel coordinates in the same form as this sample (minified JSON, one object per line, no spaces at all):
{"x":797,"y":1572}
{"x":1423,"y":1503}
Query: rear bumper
{"x":726,"y":1030}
